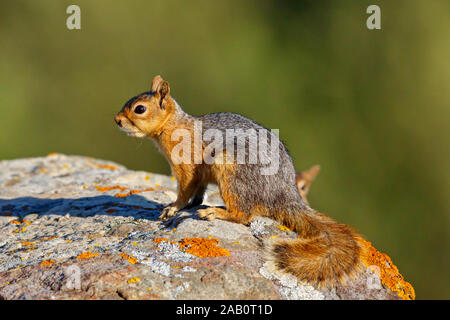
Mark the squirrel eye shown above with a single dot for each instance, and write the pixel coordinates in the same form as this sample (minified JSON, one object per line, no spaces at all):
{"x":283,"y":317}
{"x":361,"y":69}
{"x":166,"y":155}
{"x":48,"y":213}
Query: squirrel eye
{"x":140,"y":109}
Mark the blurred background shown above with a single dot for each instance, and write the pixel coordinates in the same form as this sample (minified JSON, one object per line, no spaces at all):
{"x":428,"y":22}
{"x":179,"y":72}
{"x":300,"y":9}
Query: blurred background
{"x":371,"y":107}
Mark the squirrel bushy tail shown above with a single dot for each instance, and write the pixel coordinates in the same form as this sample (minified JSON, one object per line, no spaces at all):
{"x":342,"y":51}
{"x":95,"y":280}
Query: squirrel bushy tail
{"x":326,"y":252}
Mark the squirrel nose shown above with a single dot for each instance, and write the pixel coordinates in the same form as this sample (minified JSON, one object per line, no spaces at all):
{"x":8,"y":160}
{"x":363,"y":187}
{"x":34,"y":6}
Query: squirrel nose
{"x":118,"y":121}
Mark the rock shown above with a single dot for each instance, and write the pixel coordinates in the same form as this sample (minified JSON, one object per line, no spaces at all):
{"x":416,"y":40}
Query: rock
{"x":79,"y":228}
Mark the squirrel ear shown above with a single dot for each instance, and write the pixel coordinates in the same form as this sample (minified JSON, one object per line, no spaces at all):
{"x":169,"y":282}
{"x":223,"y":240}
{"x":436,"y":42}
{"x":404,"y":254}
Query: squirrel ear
{"x":162,"y":88}
{"x":156,"y":81}
{"x":311,"y":173}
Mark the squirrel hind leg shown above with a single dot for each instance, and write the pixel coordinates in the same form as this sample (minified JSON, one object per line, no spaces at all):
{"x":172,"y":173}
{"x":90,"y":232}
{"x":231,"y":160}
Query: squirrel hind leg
{"x":212,"y":213}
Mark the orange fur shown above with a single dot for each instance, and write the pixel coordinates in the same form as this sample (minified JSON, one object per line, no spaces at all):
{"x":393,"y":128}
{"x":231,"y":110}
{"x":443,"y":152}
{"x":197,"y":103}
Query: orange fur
{"x":326,"y":252}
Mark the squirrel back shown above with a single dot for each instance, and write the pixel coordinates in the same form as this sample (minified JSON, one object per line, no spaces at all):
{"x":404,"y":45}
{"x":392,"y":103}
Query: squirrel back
{"x":260,"y":180}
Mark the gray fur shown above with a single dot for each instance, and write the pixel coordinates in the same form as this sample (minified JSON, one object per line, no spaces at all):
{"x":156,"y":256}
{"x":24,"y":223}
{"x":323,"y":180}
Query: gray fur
{"x":270,"y":191}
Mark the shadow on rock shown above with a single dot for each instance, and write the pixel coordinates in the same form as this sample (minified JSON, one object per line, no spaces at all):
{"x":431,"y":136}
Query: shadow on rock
{"x":132,"y":206}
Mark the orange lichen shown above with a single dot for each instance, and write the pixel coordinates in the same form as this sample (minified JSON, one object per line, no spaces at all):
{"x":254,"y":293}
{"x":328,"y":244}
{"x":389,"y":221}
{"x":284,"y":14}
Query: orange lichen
{"x":200,"y":247}
{"x":134,"y":279}
{"x":130,"y":258}
{"x":122,"y":195}
{"x":28,"y":243}
{"x":107,"y":166}
{"x":20,"y":221}
{"x":47,"y":263}
{"x":49,"y":238}
{"x":52,"y":154}
{"x":104,"y":166}
{"x":87,"y":255}
{"x":104,"y":189}
{"x":20,"y":230}
{"x":283,"y":228}
{"x":203,"y":248}
{"x":159,"y":240}
{"x":388,"y":272}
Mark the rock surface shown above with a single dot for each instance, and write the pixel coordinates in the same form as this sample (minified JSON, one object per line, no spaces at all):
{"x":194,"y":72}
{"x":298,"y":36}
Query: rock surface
{"x":80,"y":228}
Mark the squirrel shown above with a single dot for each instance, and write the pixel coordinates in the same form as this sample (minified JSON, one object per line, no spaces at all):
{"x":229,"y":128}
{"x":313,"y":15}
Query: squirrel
{"x":304,"y":180}
{"x":326,"y":253}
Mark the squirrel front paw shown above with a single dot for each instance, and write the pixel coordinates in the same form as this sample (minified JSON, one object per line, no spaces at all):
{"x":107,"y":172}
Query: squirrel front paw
{"x":168,"y":212}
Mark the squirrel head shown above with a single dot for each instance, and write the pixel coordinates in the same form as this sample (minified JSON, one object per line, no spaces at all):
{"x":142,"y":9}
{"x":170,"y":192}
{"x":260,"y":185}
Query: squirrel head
{"x":145,"y":114}
{"x":304,"y":180}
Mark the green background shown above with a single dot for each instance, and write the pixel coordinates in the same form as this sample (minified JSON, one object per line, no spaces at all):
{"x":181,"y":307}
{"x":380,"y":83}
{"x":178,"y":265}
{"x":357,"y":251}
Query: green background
{"x":371,"y":107}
